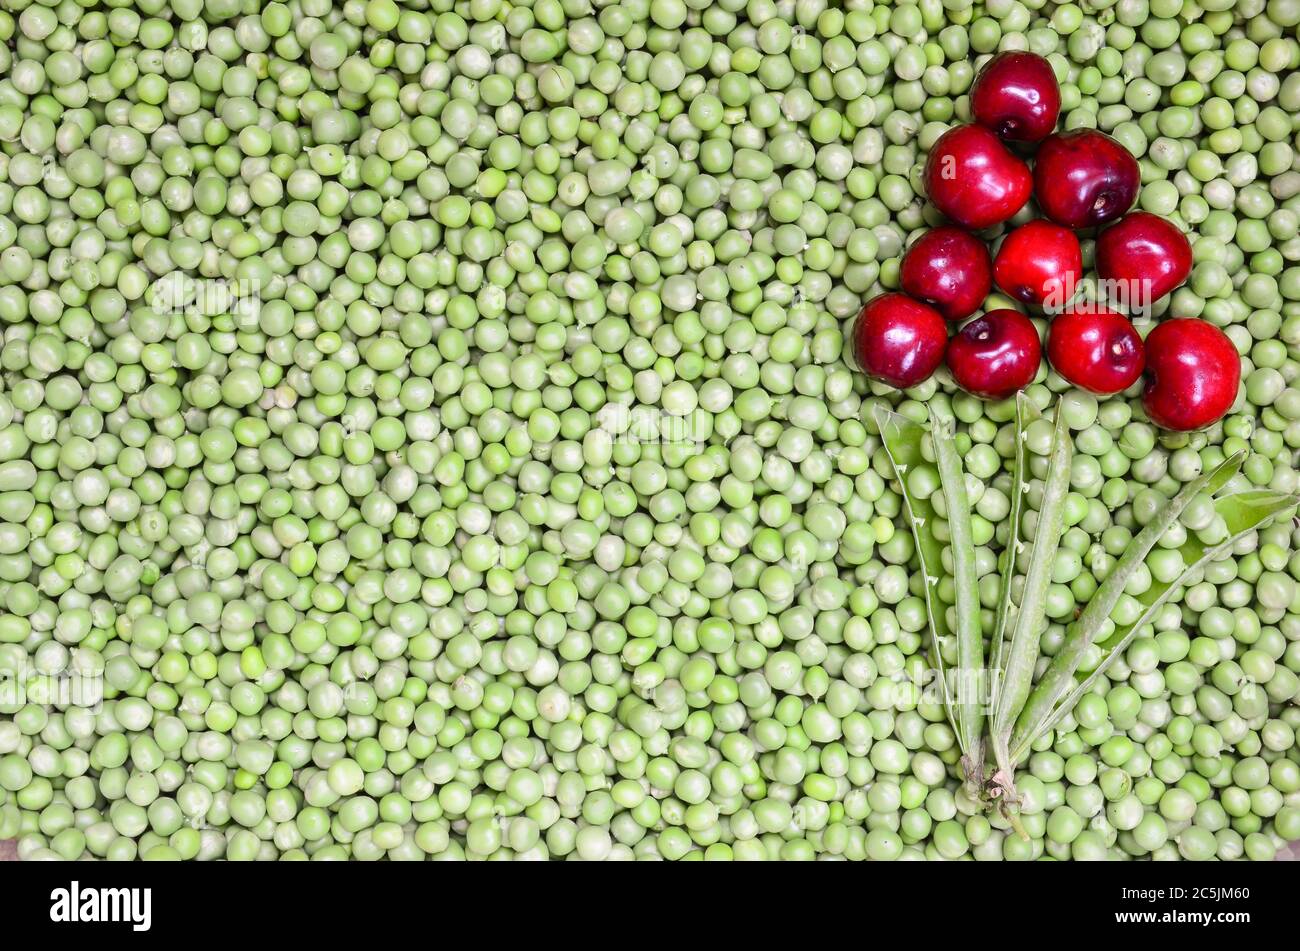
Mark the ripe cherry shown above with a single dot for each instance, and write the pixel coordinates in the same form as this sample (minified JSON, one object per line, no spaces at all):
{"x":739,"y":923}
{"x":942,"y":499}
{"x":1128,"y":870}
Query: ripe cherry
{"x":1039,"y":263}
{"x":1084,"y":178}
{"x":973,"y":178}
{"x":1017,"y":96}
{"x":899,"y":341}
{"x":1096,"y":349}
{"x":995,"y":354}
{"x":1142,"y":257}
{"x":1192,"y":374}
{"x":949,"y":269}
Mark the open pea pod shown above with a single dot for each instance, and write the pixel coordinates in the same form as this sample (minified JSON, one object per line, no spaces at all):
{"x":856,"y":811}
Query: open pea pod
{"x":963,"y":699}
{"x":1017,"y":672}
{"x":1058,"y":680}
{"x":1243,"y":512}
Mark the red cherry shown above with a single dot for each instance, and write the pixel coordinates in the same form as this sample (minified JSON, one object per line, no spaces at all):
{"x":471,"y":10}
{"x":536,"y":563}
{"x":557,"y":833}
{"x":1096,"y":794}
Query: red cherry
{"x":1039,"y":263}
{"x":949,"y":269}
{"x":1192,"y":375}
{"x":995,"y":354}
{"x":1017,"y":96}
{"x":973,"y":178}
{"x":898,"y":340}
{"x":1143,"y":257}
{"x":1084,"y":178}
{"x":1096,"y":349}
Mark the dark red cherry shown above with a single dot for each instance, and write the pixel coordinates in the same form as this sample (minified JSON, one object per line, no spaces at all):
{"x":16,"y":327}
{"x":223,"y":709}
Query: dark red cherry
{"x":1192,"y":374}
{"x":995,"y":354}
{"x":1141,"y":258}
{"x":1084,"y":178}
{"x":949,"y":269}
{"x":1039,"y":263}
{"x":974,"y":180}
{"x":899,"y":341}
{"x":1017,"y":96}
{"x":1096,"y":349}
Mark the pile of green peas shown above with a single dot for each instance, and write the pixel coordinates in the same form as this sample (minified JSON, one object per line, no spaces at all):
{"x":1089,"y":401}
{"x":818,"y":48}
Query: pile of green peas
{"x":426,"y":432}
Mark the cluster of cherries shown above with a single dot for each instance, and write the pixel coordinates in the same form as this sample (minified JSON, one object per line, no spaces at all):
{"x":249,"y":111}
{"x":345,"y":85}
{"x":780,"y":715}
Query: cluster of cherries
{"x":1081,"y":179}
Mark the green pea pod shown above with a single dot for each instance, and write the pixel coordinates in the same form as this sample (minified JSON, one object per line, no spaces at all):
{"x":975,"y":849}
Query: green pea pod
{"x":1244,"y":512}
{"x":964,"y":700}
{"x":970,"y":688}
{"x":1026,"y":412}
{"x":1059,"y":677}
{"x":902,"y":440}
{"x":1018,"y":672}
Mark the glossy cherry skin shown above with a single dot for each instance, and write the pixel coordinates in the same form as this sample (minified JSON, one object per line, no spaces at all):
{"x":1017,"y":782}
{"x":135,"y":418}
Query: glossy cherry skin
{"x":1017,"y":96}
{"x":899,"y":341}
{"x":949,"y":269}
{"x":1192,"y":374}
{"x":1096,"y":349}
{"x":1143,"y":257}
{"x":1084,"y":178}
{"x":995,"y":354}
{"x":974,"y":180}
{"x":1039,"y":263}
